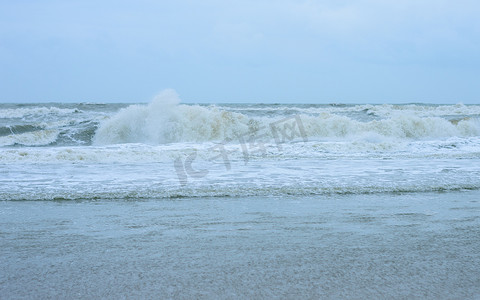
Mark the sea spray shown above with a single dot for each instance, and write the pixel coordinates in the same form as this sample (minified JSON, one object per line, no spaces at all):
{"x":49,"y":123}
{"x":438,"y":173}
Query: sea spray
{"x":165,"y":121}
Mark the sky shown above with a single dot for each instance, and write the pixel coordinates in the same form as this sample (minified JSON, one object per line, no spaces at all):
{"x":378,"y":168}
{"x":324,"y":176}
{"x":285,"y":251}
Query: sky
{"x":210,"y":51}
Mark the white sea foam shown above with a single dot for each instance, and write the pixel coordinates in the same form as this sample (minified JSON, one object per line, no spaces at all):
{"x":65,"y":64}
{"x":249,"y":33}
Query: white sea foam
{"x":360,"y":147}
{"x":125,"y":153}
{"x":283,"y":177}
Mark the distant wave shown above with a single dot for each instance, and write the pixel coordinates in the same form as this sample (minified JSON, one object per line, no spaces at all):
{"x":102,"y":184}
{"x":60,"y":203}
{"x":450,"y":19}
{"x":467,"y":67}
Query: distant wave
{"x":35,"y":111}
{"x":377,"y":110}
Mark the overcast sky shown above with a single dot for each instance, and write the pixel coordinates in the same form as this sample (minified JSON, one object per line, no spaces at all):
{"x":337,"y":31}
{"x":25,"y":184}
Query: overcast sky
{"x":365,"y":51}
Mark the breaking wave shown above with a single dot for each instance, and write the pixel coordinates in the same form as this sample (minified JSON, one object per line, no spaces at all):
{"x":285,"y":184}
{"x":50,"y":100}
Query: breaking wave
{"x":165,"y":120}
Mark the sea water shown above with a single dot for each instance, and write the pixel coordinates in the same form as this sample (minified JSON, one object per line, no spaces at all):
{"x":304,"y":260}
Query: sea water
{"x":239,"y":200}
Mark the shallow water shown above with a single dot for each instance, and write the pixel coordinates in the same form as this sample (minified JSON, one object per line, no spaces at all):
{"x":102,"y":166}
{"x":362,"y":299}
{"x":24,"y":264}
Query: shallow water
{"x":383,"y":245}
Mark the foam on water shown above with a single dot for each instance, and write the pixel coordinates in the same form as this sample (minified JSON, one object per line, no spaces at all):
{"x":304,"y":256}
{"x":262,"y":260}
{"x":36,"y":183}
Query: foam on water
{"x":258,"y":178}
{"x":166,"y":149}
{"x":360,"y":147}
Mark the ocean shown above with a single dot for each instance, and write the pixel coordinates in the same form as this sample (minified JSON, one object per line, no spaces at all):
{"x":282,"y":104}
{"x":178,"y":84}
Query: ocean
{"x":172,"y":200}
